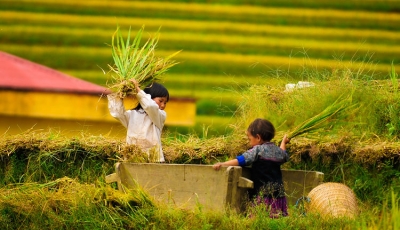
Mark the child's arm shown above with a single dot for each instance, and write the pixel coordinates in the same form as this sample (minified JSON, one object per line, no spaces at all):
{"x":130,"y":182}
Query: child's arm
{"x":246,"y":158}
{"x":117,"y":109}
{"x":157,"y":116}
{"x":233,"y":162}
{"x":285,"y":140}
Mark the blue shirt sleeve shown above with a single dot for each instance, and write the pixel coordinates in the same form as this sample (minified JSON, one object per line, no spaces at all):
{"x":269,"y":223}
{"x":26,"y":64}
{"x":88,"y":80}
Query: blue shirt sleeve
{"x":242,"y":160}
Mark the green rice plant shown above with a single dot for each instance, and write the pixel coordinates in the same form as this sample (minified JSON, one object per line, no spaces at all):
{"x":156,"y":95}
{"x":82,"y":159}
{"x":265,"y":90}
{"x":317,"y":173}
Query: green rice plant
{"x":134,"y":62}
{"x":392,"y":110}
{"x":320,"y":120}
{"x":386,"y":217}
{"x":393,"y":77}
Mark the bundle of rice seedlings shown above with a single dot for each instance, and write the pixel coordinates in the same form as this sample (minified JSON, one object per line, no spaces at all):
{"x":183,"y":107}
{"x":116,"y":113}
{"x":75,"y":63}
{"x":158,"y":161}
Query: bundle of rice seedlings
{"x":133,"y":61}
{"x":320,"y":120}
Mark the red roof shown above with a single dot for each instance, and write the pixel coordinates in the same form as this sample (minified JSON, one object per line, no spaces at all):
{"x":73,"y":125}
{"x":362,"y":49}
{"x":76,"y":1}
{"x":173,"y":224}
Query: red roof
{"x":20,"y":74}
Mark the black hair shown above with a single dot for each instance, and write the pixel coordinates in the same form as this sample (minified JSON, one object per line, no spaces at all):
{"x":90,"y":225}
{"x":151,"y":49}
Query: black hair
{"x":262,"y":127}
{"x":155,"y":90}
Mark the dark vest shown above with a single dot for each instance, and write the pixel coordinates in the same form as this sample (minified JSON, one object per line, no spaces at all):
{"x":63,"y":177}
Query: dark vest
{"x":267,"y":178}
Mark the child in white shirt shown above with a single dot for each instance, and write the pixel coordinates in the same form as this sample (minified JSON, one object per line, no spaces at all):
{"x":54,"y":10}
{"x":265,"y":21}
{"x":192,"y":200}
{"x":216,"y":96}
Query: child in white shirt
{"x":144,"y":123}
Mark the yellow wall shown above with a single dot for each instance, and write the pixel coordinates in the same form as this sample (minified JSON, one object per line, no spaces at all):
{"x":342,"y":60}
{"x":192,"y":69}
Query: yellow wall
{"x":12,"y":125}
{"x":21,"y":110}
{"x":53,"y":105}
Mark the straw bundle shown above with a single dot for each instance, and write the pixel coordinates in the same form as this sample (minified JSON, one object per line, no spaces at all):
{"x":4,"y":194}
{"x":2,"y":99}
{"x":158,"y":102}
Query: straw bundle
{"x":332,"y":200}
{"x":133,"y":61}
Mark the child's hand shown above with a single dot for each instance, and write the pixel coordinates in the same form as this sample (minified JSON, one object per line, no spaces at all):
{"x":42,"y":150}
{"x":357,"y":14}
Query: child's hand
{"x":136,"y":84}
{"x":286,"y":139}
{"x":217,"y":166}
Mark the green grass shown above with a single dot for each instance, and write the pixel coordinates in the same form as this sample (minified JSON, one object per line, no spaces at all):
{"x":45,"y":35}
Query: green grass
{"x":88,"y":210}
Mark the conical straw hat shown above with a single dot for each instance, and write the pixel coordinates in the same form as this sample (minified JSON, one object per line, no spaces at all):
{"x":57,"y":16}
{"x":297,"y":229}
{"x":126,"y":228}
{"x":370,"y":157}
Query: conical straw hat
{"x":333,"y":200}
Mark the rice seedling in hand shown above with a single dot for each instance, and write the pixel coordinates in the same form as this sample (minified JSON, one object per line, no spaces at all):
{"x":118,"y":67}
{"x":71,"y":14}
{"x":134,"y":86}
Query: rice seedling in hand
{"x":322,"y":119}
{"x":138,"y":62}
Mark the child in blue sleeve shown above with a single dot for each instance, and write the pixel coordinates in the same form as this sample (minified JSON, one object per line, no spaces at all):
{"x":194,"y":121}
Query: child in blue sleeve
{"x":265,"y":159}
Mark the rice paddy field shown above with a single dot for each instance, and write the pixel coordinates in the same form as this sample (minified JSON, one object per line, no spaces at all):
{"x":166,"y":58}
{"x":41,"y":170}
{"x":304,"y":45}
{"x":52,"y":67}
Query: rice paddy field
{"x":236,"y":58}
{"x":223,"y":43}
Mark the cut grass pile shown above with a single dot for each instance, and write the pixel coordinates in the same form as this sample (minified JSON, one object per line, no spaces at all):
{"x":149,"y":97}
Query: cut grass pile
{"x":36,"y":149}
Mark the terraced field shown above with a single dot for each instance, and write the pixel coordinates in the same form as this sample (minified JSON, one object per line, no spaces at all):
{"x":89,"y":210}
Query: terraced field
{"x":224,"y":44}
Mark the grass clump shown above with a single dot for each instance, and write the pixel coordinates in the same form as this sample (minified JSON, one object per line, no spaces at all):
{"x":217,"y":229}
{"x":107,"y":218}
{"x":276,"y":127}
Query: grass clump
{"x":67,"y":204}
{"x":343,"y":103}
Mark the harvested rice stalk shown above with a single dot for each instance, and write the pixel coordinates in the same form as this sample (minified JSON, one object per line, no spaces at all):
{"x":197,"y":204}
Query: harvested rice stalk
{"x":133,"y":61}
{"x":321,"y":120}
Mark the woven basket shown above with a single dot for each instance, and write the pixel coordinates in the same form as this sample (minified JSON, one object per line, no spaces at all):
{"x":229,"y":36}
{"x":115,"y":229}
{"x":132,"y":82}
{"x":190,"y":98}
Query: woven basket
{"x":332,"y":200}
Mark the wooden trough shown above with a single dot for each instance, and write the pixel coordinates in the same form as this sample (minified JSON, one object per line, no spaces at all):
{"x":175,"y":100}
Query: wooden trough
{"x":188,"y":186}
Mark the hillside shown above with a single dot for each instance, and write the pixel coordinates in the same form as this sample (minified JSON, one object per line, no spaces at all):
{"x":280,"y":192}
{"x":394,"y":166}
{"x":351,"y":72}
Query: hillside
{"x":223,"y":45}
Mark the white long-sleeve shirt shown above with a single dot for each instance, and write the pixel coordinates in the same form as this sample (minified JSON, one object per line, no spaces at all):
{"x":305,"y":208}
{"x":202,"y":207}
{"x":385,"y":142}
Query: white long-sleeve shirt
{"x":143,"y":126}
